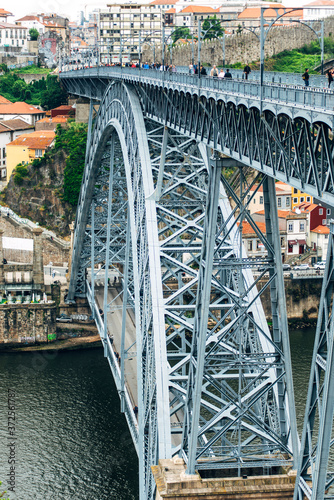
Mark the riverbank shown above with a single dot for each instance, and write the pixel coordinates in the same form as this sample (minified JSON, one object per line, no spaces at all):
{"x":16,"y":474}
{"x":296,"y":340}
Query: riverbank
{"x":71,"y":344}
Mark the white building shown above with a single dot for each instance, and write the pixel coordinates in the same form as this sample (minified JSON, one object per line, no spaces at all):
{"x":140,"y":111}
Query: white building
{"x":26,"y":112}
{"x":120,"y":28}
{"x":319,"y":9}
{"x":13,"y":35}
{"x":30,"y":22}
{"x":283,"y":197}
{"x":296,"y":233}
{"x":319,"y":241}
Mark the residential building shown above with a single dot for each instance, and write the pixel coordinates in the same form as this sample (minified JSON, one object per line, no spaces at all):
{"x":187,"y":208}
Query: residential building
{"x":251,"y":15}
{"x":328,"y":208}
{"x":283,"y":197}
{"x":27,"y":147}
{"x":13,"y":36}
{"x":253,"y":244}
{"x":9,"y":131}
{"x":63,"y":110}
{"x":124,"y":27}
{"x":319,"y":9}
{"x":4,"y":14}
{"x":32,"y":21}
{"x":316,"y":214}
{"x":22,"y":110}
{"x":48,"y":123}
{"x":319,"y":241}
{"x":297,"y":230}
{"x":299,"y":197}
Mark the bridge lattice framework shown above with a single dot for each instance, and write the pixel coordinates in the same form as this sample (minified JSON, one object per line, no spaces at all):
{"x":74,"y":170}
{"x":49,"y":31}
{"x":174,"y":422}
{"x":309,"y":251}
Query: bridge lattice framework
{"x":214,"y":383}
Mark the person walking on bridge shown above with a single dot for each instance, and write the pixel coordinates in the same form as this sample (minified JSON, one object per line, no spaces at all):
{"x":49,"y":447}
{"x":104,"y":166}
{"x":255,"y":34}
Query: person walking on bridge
{"x":214,"y":71}
{"x":330,"y":77}
{"x":306,"y":78}
{"x":228,"y":74}
{"x":247,"y":70}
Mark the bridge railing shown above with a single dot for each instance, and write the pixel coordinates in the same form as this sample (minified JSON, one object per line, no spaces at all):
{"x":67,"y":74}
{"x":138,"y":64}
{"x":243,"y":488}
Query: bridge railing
{"x":297,"y":96}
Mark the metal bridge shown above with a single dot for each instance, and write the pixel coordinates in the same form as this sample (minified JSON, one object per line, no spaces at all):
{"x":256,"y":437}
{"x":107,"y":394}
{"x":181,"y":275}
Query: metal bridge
{"x":164,"y":197}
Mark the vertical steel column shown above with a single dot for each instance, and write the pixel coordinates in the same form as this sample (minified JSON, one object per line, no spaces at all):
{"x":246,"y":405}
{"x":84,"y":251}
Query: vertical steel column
{"x":320,"y":398}
{"x":158,"y":188}
{"x":196,"y":368}
{"x":89,"y":129}
{"x":92,"y":253}
{"x":262,"y":40}
{"x":322,"y":46}
{"x":199,"y":48}
{"x":125,"y":301}
{"x":106,"y":270}
{"x":279,"y":316}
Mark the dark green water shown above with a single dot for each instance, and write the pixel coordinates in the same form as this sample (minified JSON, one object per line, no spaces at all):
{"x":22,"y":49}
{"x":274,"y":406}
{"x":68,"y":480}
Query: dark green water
{"x":71,"y":441}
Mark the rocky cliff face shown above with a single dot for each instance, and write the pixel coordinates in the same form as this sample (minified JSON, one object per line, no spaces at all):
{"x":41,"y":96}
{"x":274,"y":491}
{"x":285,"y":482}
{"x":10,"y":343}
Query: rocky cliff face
{"x":38,"y":197}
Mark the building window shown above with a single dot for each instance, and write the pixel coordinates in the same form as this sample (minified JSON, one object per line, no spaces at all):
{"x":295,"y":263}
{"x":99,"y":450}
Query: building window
{"x":324,"y":222}
{"x":301,"y":227}
{"x":282,"y":242}
{"x":328,"y":211}
{"x":3,"y":152}
{"x":38,"y":153}
{"x":326,"y":236}
{"x":290,"y":227}
{"x":321,"y":211}
{"x":254,"y":200}
{"x":302,"y":199}
{"x":287,"y":202}
{"x":250,"y":246}
{"x":295,"y":191}
{"x":261,"y":200}
{"x":295,"y":200}
{"x":279,"y":202}
{"x":308,"y":198}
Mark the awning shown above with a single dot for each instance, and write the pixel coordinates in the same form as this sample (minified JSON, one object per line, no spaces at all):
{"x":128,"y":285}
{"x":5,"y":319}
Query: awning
{"x":301,"y":242}
{"x":292,"y":242}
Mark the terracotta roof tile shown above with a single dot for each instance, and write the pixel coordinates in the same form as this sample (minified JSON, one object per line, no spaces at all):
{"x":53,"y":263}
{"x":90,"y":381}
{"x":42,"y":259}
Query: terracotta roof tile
{"x":3,"y":100}
{"x":198,"y":8}
{"x":282,"y":214}
{"x":36,"y":140}
{"x":320,"y":230}
{"x":19,"y":108}
{"x":255,"y":13}
{"x":163,"y":2}
{"x":15,"y":124}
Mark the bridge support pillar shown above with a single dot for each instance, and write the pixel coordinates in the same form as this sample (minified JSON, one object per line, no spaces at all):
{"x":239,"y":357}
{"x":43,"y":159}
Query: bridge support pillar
{"x":173,"y":484}
{"x":2,"y":274}
{"x":38,"y":270}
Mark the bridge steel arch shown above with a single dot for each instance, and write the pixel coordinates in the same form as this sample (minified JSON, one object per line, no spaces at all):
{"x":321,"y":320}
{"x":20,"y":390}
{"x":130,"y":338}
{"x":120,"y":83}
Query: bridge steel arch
{"x":205,"y":273}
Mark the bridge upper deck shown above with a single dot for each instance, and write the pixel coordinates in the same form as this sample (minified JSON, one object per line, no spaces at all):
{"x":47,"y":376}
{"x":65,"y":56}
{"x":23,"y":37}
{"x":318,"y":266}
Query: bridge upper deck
{"x":314,"y":103}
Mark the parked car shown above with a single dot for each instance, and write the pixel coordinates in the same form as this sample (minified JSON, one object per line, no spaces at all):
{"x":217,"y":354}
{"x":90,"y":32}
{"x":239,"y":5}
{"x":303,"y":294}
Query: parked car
{"x":286,"y":267}
{"x":302,"y":267}
{"x":64,"y":318}
{"x":320,"y":265}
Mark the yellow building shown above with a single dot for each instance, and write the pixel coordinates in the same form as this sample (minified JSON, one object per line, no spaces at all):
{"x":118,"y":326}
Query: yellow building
{"x":27,"y":147}
{"x":298,"y":197}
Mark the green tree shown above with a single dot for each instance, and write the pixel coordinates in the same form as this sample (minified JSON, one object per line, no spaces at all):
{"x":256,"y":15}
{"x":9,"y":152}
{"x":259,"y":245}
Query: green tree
{"x":182,"y":32}
{"x":54,"y":95}
{"x":211,"y":28}
{"x":18,"y":88}
{"x":33,"y":32}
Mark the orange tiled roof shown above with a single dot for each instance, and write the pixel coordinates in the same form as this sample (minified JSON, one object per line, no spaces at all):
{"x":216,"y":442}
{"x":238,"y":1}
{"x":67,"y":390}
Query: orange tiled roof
{"x":320,"y":230}
{"x":170,"y":11}
{"x":306,"y":207}
{"x":4,"y":12}
{"x":248,"y":229}
{"x":36,"y":140}
{"x":19,"y":108}
{"x":29,"y":18}
{"x":198,"y":9}
{"x":14,"y":124}
{"x":282,"y":214}
{"x":319,"y":3}
{"x":55,"y":119}
{"x":3,"y":100}
{"x":163,"y":2}
{"x":255,"y":12}
{"x":279,"y":189}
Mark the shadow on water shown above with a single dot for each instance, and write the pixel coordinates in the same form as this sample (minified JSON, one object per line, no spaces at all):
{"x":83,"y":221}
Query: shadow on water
{"x":72,"y":442}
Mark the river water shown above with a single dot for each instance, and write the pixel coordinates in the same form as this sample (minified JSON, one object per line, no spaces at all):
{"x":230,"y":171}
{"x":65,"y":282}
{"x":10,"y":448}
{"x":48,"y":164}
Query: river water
{"x":69,"y":439}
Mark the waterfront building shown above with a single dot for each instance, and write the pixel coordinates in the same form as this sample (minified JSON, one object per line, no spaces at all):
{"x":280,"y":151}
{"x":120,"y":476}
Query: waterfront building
{"x":27,"y":147}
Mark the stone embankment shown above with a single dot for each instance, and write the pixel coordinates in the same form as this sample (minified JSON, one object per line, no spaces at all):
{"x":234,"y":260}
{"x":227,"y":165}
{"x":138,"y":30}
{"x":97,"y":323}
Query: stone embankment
{"x":243,"y":47}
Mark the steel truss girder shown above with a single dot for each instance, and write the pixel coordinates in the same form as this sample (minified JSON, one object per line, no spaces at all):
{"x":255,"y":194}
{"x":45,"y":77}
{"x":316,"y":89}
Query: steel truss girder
{"x":245,"y":399}
{"x":313,"y":478}
{"x":291,"y":145}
